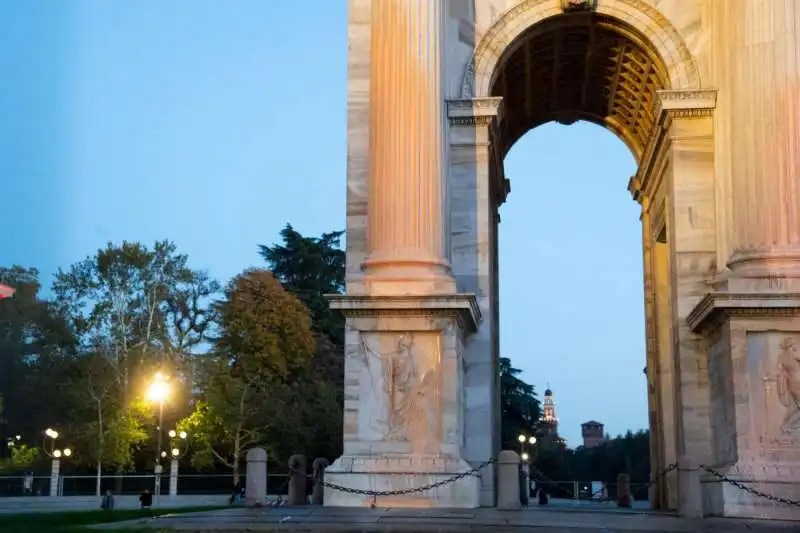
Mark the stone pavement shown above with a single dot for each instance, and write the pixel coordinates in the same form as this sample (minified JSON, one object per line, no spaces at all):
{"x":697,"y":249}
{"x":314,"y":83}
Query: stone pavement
{"x":361,"y":520}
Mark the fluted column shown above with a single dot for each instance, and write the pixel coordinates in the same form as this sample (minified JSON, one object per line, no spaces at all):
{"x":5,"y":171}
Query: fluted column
{"x":406,"y":182}
{"x":763,"y":39}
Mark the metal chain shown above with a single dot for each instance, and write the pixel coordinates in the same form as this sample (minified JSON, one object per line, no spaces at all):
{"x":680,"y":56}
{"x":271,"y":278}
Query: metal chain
{"x":742,"y":486}
{"x":539,"y":477}
{"x":411,"y":490}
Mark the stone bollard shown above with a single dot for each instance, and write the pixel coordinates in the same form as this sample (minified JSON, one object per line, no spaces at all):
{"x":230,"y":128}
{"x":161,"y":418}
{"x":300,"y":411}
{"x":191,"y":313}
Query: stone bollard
{"x":690,"y":489}
{"x":508,"y":497}
{"x":318,"y":470}
{"x":624,"y":490}
{"x":297,"y":481}
{"x":255,"y":494}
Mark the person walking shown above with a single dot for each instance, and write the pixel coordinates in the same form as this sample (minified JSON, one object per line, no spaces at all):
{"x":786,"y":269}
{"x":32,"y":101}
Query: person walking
{"x":27,"y":484}
{"x":146,"y":499}
{"x":108,"y":501}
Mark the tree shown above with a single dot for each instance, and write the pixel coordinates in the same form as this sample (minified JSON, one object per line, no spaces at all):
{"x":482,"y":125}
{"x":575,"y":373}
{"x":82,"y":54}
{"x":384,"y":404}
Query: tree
{"x":34,"y":344}
{"x":310,"y":268}
{"x":264,"y":338}
{"x":520,"y":408}
{"x":132,"y":309}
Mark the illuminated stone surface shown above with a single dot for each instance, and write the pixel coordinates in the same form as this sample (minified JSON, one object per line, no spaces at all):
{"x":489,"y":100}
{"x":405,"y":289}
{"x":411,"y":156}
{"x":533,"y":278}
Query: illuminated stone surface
{"x":705,"y":95}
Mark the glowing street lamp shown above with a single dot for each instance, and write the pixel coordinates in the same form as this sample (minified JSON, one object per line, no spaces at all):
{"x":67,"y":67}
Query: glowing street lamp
{"x":158,"y":392}
{"x":55,"y":454}
{"x":176,"y":453}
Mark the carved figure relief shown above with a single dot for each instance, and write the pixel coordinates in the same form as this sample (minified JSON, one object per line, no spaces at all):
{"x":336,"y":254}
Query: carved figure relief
{"x":578,"y":5}
{"x":404,"y":400}
{"x":788,"y":386}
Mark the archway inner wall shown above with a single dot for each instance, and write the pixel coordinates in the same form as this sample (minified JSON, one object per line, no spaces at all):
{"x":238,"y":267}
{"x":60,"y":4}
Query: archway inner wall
{"x":675,"y":187}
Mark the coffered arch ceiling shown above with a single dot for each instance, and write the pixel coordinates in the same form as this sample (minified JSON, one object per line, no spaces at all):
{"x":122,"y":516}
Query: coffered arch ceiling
{"x":581,"y":66}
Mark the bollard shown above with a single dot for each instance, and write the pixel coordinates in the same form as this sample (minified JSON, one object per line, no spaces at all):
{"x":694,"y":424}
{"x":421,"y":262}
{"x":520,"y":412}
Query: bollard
{"x":690,"y":490}
{"x":318,"y":470}
{"x":624,"y":490}
{"x":508,"y":467}
{"x":173,"y":477}
{"x":255,"y":494}
{"x":297,"y":481}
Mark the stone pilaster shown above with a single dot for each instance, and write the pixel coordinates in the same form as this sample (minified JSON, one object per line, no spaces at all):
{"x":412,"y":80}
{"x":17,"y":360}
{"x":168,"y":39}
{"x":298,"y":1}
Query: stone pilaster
{"x":763,"y":84}
{"x":406,"y":176}
{"x":675,"y":184}
{"x":476,"y":189}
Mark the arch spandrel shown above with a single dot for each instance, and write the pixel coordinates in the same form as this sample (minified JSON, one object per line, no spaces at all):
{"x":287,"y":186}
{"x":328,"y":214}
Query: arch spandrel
{"x":643,"y":17}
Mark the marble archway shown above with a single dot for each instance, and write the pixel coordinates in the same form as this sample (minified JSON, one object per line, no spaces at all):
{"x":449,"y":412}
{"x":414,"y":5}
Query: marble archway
{"x":719,"y":225}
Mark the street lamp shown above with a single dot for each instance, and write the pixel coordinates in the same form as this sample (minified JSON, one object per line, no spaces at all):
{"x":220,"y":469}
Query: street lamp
{"x":55,"y":454}
{"x":158,"y":392}
{"x":178,"y":440}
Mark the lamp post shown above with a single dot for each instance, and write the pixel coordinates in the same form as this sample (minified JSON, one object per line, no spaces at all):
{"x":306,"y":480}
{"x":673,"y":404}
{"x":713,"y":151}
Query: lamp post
{"x":176,"y":438}
{"x":158,"y":391}
{"x":55,"y":455}
{"x":526,"y":458}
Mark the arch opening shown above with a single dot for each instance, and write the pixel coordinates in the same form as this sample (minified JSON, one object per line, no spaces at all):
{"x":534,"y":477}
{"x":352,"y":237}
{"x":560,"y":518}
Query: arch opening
{"x":580,"y":66}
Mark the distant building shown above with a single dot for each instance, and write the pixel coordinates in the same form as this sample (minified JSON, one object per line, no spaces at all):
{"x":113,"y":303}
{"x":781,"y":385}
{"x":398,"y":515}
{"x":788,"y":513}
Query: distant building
{"x":593,"y":433}
{"x":548,"y":423}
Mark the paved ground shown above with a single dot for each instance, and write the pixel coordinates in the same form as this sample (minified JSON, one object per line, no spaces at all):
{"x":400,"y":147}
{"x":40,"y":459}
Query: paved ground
{"x":344,"y":520}
{"x":45,"y":504}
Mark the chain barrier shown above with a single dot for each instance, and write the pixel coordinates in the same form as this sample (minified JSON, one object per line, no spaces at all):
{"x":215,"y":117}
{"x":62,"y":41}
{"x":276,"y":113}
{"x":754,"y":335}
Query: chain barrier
{"x":750,"y":490}
{"x":539,"y":477}
{"x":410,"y":490}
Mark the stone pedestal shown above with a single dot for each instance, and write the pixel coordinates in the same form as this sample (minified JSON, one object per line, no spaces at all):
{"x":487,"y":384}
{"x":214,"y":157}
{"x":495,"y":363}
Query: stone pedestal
{"x":754,"y":374}
{"x":55,"y":476}
{"x":404,"y":402}
{"x":401,"y":473}
{"x":255,"y":494}
{"x":173,"y":477}
{"x":508,"y":497}
{"x":691,"y":495}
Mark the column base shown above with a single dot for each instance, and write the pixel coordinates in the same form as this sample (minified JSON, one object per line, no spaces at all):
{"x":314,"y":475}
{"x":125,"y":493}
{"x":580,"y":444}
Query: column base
{"x":762,"y":268}
{"x":406,"y":275}
{"x":401,"y":474}
{"x":754,"y":341}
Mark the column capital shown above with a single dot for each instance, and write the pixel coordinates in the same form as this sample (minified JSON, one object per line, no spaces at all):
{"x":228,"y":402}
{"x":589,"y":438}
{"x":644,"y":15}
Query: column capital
{"x":474,"y":111}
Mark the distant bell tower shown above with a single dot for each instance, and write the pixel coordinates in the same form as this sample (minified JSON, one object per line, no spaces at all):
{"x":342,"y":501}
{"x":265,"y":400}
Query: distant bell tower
{"x":549,"y":420}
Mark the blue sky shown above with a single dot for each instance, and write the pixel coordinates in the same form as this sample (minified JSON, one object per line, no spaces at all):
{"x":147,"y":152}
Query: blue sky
{"x":213,"y":126}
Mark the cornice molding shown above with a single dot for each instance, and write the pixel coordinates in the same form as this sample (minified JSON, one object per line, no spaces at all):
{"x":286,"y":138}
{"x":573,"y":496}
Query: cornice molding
{"x":463,"y":307}
{"x":669,"y":105}
{"x":716,"y":307}
{"x":474,"y":111}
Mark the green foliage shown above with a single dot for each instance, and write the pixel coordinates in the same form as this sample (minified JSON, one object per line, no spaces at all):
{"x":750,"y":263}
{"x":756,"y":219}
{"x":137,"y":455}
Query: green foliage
{"x":520,"y":408}
{"x":265,"y":331}
{"x":23,"y":457}
{"x":34,"y":343}
{"x":310,"y":268}
{"x":265,"y":339}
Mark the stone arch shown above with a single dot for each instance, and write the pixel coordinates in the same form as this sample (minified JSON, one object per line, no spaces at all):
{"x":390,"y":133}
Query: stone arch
{"x":646,"y":19}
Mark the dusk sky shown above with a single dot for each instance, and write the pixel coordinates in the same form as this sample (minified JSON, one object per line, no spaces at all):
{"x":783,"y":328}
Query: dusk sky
{"x":215,"y":123}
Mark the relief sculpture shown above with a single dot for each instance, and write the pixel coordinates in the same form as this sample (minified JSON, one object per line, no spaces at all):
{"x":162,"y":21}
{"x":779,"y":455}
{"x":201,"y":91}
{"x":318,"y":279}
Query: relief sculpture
{"x":410,"y":393}
{"x":789,"y":385}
